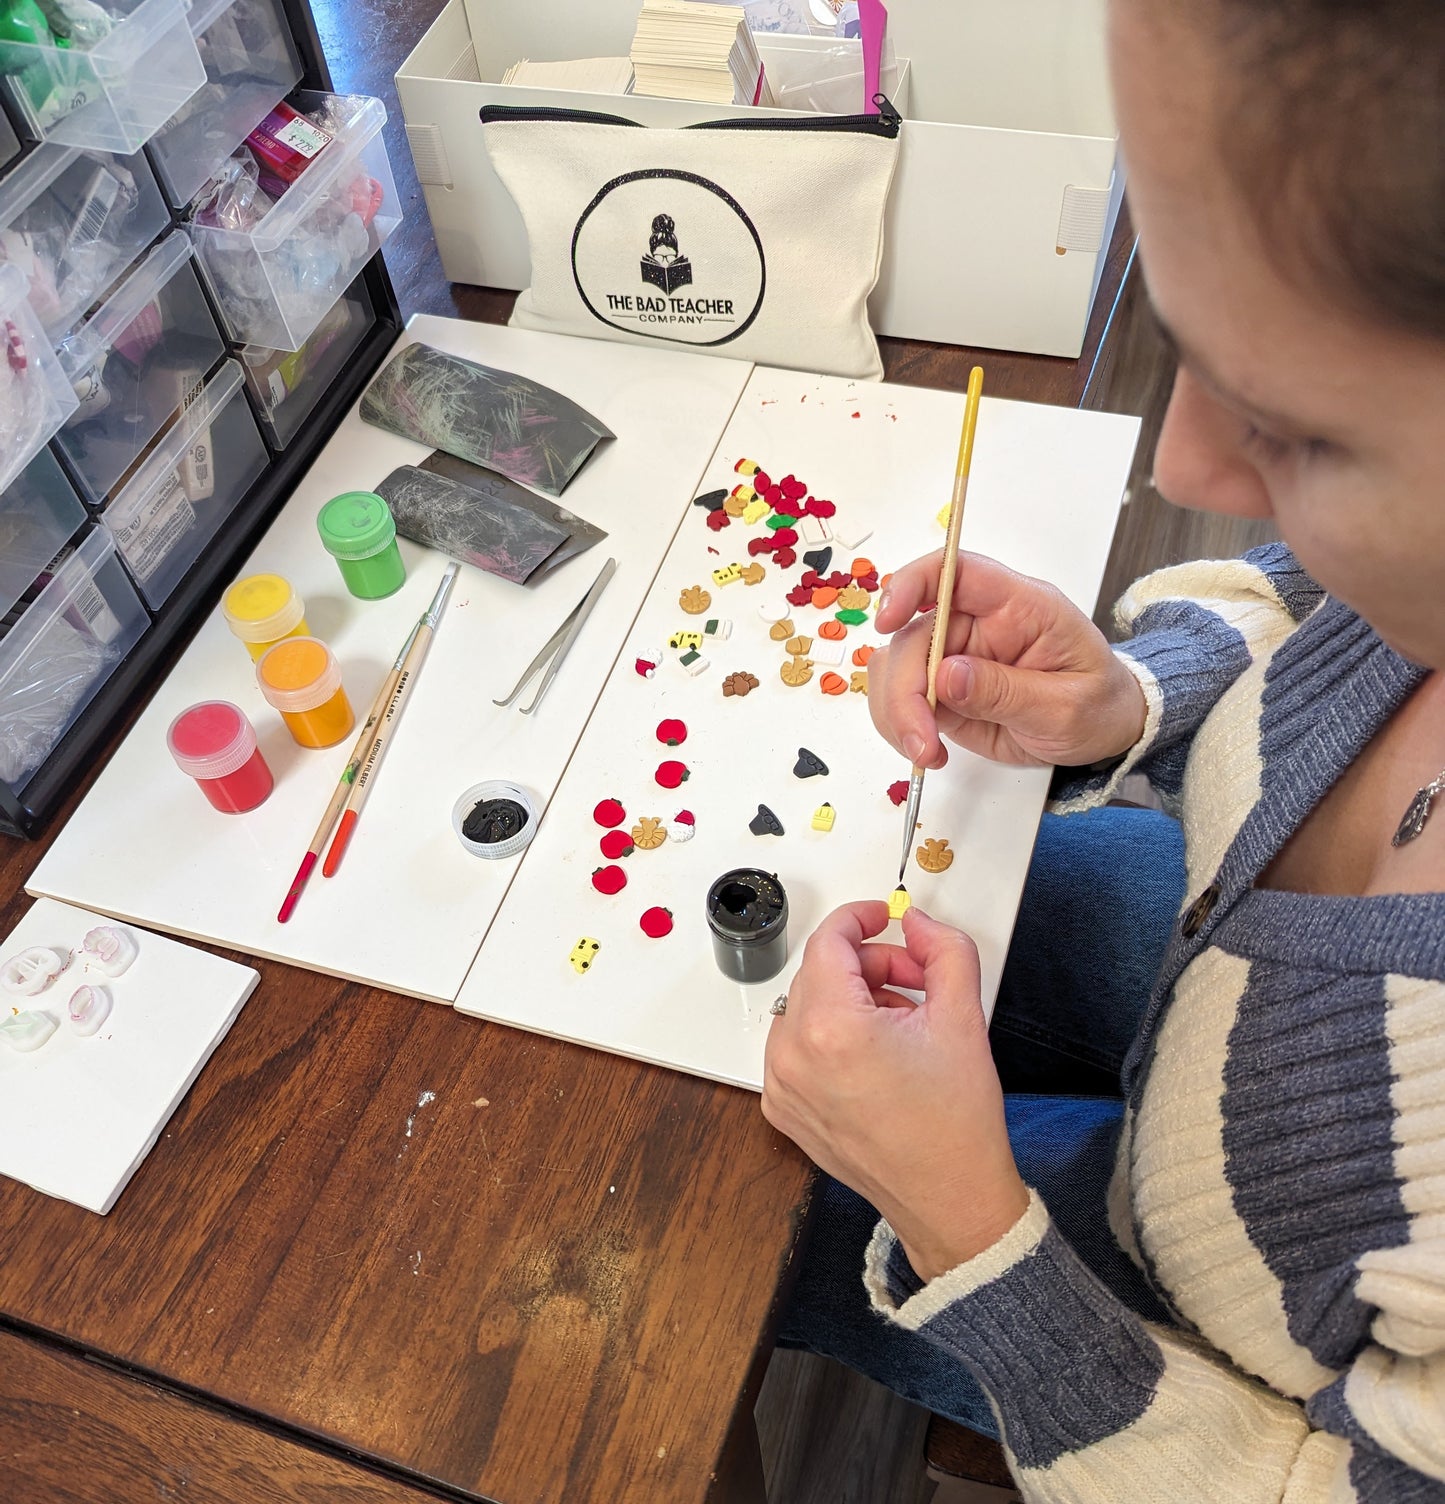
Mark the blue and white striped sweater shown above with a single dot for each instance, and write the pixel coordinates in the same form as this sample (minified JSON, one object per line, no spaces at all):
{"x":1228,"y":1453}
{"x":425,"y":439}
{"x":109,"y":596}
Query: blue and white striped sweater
{"x":1282,"y":1172}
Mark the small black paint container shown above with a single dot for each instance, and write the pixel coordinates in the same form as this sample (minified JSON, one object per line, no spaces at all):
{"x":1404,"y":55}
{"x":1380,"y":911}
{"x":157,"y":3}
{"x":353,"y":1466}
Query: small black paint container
{"x":747,"y":912}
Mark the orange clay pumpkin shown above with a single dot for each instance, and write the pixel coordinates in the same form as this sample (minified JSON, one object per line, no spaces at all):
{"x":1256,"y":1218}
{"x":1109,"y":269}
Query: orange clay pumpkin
{"x":834,"y":631}
{"x":833,"y":684}
{"x":863,"y":654}
{"x":824,"y":596}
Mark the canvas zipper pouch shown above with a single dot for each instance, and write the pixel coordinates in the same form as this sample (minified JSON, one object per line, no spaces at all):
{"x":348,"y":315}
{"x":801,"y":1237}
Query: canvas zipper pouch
{"x":757,"y":238}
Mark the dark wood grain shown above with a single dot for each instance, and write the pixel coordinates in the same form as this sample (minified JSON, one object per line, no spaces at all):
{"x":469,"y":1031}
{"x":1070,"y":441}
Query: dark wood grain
{"x":554,"y":1280}
{"x":77,"y":1433}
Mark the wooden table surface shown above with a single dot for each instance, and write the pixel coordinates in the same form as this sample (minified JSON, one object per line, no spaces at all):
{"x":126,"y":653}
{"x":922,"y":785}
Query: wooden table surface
{"x":384,"y":1252}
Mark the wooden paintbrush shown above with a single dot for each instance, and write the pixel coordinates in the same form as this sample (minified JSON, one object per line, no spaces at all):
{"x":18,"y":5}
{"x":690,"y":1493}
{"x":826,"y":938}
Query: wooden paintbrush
{"x":944,"y":607}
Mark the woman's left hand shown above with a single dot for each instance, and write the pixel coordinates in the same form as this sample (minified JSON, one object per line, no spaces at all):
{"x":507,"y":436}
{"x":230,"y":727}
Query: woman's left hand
{"x":900,"y":1102}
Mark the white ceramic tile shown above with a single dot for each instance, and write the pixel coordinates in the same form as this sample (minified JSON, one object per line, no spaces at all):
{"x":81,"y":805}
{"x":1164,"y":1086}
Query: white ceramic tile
{"x":1044,"y":497}
{"x":409,"y":906}
{"x":78,"y":1115}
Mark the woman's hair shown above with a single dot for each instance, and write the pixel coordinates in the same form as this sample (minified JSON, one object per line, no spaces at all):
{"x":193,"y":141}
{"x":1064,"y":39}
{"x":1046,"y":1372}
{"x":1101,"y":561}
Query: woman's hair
{"x":1334,"y":131}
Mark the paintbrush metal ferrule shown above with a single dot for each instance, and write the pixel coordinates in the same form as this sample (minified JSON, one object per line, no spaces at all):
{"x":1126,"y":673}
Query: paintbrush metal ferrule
{"x":910,"y":818}
{"x":439,"y":600}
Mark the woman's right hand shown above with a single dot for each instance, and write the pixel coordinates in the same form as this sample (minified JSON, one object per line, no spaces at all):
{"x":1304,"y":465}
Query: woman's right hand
{"x":1026,"y":677}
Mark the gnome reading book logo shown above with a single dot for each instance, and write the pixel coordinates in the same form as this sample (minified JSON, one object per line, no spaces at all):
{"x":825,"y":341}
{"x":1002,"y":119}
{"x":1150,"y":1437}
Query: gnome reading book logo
{"x":665,"y":266}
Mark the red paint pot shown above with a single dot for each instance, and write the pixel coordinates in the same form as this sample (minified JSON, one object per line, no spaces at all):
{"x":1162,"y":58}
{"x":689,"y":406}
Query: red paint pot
{"x":216,"y":745}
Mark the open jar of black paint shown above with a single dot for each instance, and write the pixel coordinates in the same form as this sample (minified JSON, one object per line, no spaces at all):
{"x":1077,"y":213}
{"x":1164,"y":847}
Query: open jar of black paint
{"x":747,"y":913}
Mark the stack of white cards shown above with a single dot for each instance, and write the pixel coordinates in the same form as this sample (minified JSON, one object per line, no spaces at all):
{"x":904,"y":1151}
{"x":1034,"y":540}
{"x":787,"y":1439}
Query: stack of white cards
{"x":593,"y":75}
{"x":706,"y":52}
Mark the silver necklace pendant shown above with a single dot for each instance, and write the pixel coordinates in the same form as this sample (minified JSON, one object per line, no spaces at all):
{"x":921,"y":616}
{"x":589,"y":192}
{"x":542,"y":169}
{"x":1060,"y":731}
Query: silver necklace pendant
{"x":1418,"y":813}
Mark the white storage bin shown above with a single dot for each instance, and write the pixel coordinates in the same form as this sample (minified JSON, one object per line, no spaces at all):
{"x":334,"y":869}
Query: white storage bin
{"x":35,"y":398}
{"x":73,"y":221}
{"x":187,"y":486}
{"x":274,"y":282}
{"x":39,"y":511}
{"x":64,"y":646}
{"x":285,"y":385}
{"x":1007,"y":186}
{"x":116,"y":94}
{"x":251,"y":65}
{"x":134,"y":362}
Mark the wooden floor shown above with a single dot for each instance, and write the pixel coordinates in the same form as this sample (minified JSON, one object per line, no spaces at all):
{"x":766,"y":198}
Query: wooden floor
{"x":829,"y":1436}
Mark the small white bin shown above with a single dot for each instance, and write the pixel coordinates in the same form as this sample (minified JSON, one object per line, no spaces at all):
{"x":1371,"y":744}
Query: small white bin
{"x":275,"y":282}
{"x":39,"y":511}
{"x":74,"y":220}
{"x":134,"y":362}
{"x":65,"y":645}
{"x":187,"y":486}
{"x":116,"y":94}
{"x":35,"y":397}
{"x":251,"y":65}
{"x":1004,"y":200}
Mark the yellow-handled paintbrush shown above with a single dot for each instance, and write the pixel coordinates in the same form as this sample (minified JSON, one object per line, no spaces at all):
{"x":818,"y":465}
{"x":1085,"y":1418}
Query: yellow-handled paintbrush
{"x":943,"y":609}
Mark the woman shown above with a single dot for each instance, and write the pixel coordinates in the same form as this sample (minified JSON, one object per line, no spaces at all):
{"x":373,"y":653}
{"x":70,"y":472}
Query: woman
{"x":1278,"y":1158}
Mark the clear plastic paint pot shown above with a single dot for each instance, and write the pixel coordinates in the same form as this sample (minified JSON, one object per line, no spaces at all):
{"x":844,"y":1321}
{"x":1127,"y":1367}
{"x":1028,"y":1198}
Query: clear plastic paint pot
{"x":357,"y":530}
{"x":262,"y":609}
{"x":747,"y":913}
{"x":300,"y":677}
{"x":495,"y":819}
{"x":216,"y":745}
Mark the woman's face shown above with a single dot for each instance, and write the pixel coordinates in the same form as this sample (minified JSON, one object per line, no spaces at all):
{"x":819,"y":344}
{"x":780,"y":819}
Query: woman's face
{"x":1286,"y":405}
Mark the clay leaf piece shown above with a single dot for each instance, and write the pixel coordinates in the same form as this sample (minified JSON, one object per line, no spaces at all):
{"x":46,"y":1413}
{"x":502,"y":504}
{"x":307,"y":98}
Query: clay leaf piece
{"x":765,"y":823}
{"x":739,"y":684}
{"x":753,"y":574}
{"x":27,"y":1030}
{"x":648,"y":834}
{"x":809,"y":765}
{"x":858,"y":683}
{"x":694,"y":600}
{"x":934,"y":856}
{"x":898,"y":792}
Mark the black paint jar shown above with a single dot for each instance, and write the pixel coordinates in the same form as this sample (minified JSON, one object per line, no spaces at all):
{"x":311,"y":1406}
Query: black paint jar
{"x":747,"y":912}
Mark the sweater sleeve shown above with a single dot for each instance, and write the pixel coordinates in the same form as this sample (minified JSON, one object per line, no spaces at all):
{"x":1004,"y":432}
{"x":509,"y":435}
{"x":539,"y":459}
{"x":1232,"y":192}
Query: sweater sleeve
{"x":1187,"y":634}
{"x":1097,"y":1405}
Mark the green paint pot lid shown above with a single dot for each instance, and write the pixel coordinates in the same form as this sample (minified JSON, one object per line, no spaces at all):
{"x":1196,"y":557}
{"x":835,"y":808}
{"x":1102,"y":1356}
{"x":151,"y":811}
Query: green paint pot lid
{"x":355,"y":525}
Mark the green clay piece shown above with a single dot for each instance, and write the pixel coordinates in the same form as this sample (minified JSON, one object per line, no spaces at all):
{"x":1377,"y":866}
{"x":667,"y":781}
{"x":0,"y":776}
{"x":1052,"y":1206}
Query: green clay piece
{"x":851,"y":618}
{"x":779,"y":519}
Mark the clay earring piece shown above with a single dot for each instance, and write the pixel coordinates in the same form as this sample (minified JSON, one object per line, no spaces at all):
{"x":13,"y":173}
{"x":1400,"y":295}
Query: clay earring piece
{"x":110,"y":949}
{"x":31,"y":972}
{"x":89,"y":1009}
{"x":28,"y":1030}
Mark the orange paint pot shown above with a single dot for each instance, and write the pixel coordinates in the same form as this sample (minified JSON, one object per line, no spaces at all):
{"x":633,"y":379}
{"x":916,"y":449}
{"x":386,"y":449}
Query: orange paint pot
{"x":833,"y":684}
{"x":300,"y":677}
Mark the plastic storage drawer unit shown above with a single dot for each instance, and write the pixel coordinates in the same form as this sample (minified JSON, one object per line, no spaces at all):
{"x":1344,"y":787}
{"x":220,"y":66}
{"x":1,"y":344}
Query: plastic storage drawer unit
{"x":65,"y":644}
{"x":251,"y":65}
{"x":275,"y":281}
{"x":39,"y":511}
{"x":116,"y":93}
{"x":134,"y":362}
{"x":35,"y":398}
{"x":187,"y":486}
{"x":73,"y":221}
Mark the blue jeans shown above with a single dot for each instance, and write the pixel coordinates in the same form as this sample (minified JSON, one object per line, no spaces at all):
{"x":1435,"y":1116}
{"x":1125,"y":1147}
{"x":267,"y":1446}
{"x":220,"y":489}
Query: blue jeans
{"x":1102,"y":893}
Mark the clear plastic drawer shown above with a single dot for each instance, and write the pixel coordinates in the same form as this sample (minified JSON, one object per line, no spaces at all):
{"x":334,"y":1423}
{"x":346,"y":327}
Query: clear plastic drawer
{"x":116,"y":93}
{"x":72,"y":221}
{"x":62,"y":646}
{"x":35,"y":398}
{"x":275,"y":280}
{"x":134,"y":362}
{"x":285,"y":385}
{"x":251,"y":65}
{"x":39,"y":511}
{"x":187,"y":486}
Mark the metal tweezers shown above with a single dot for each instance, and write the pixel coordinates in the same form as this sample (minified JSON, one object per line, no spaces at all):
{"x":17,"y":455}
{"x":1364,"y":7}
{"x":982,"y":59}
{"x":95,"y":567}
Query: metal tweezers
{"x":557,"y":645}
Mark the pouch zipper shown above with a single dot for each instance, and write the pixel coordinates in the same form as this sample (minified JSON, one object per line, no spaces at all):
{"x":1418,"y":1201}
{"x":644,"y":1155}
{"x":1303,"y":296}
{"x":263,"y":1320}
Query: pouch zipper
{"x":886,"y":123}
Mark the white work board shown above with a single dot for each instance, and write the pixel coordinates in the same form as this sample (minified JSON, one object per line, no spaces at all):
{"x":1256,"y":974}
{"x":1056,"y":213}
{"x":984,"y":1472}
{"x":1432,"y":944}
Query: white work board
{"x":409,"y":906}
{"x":78,"y":1115}
{"x":1044,"y":498}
